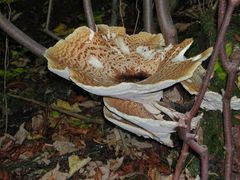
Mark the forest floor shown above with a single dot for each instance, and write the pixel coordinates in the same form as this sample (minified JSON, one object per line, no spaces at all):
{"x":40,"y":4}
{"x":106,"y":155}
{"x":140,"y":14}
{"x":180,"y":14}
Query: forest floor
{"x":55,"y":129}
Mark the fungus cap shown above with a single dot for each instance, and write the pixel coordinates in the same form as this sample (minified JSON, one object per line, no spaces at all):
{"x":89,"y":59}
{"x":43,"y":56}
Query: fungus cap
{"x":138,"y":119}
{"x":110,"y":62}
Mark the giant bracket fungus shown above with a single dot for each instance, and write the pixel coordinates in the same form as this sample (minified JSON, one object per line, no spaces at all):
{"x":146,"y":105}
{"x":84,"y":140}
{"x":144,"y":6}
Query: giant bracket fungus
{"x":130,"y":71}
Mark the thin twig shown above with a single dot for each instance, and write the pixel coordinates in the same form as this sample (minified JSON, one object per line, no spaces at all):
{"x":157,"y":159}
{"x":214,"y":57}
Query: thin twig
{"x":203,"y":152}
{"x":205,"y":84}
{"x":138,"y":13}
{"x":82,"y":117}
{"x":182,"y":157}
{"x":208,"y":75}
{"x":48,"y":20}
{"x":89,"y":14}
{"x":232,"y":72}
{"x":6,"y":60}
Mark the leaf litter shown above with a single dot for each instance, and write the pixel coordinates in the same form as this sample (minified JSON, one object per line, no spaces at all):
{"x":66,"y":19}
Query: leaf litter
{"x":48,"y":144}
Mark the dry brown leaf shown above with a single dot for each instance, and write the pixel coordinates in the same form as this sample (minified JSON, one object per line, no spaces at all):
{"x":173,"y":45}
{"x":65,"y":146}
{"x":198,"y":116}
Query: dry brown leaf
{"x":115,"y":164}
{"x":237,"y":116}
{"x":153,"y":173}
{"x":78,"y":99}
{"x":181,"y":27}
{"x":55,"y":174}
{"x":6,"y":141}
{"x":90,"y":104}
{"x":70,"y":107}
{"x":237,"y":37}
{"x":37,"y":122}
{"x":21,"y":134}
{"x":64,"y":147}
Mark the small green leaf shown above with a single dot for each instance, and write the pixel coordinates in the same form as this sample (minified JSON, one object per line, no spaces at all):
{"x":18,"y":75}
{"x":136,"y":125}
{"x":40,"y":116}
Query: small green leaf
{"x":238,"y":82}
{"x":55,"y":114}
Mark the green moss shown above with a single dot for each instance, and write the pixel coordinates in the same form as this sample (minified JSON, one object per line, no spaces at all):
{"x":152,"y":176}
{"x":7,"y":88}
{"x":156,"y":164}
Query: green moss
{"x":208,"y":24}
{"x":212,"y":125}
{"x":12,"y":73}
{"x":193,"y":164}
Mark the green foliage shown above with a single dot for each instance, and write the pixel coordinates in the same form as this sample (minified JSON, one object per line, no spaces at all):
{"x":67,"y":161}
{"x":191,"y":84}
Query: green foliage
{"x":12,"y":73}
{"x":218,"y":69}
{"x":78,"y":123}
{"x":208,"y":25}
{"x":193,"y":164}
{"x":55,"y":114}
{"x":16,"y":54}
{"x":213,"y":133}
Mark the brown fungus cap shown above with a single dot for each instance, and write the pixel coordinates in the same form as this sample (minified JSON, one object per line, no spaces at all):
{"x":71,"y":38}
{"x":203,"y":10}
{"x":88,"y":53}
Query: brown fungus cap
{"x":111,"y":63}
{"x":138,"y":119}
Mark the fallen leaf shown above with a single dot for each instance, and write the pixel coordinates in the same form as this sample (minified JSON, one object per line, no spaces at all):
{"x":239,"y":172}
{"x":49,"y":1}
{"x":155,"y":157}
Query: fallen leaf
{"x":38,"y":122}
{"x":62,"y":29}
{"x":127,"y":168}
{"x":140,"y":145}
{"x":89,"y":104}
{"x":6,"y":141}
{"x":115,"y":164}
{"x":78,"y":99}
{"x":153,"y":173}
{"x":75,"y":164}
{"x":181,"y":27}
{"x":21,"y":135}
{"x":169,"y":177}
{"x":64,"y":147}
{"x":105,"y":172}
{"x":237,"y":37}
{"x":65,"y":105}
{"x":55,"y":174}
{"x":21,"y":62}
{"x":98,"y":170}
{"x":238,"y":81}
{"x":98,"y":174}
{"x":187,"y":175}
{"x":92,"y":167}
{"x":5,"y":175}
{"x":237,"y":116}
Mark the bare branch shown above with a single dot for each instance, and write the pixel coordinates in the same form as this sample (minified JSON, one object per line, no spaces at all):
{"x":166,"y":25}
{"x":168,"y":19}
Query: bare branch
{"x":21,"y":37}
{"x":89,"y":14}
{"x":148,"y":16}
{"x":197,"y":103}
{"x":165,"y":21}
{"x":203,"y":153}
{"x":232,"y":69}
{"x":180,"y":162}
